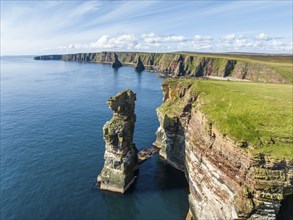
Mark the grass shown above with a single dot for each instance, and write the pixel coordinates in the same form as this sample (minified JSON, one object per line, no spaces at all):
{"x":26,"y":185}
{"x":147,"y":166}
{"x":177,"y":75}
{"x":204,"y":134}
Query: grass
{"x":271,"y":58}
{"x":257,"y":113}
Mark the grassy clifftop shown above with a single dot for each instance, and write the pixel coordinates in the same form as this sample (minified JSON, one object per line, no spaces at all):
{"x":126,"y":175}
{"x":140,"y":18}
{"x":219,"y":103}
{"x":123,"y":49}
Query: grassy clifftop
{"x":255,"y":113}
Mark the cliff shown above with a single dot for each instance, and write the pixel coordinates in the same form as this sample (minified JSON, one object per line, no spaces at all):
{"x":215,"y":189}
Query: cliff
{"x":187,"y":65}
{"x":121,"y":160}
{"x":238,"y":158}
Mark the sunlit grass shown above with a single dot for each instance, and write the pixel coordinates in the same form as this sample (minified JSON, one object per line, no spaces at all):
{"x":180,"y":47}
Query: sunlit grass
{"x":257,"y":113}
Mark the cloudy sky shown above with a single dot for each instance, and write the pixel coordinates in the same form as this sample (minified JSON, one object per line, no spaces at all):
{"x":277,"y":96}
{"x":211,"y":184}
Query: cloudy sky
{"x":47,"y":27}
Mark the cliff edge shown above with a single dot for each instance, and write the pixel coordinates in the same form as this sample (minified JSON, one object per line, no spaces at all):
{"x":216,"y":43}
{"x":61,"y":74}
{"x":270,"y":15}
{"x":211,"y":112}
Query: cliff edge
{"x":238,"y":158}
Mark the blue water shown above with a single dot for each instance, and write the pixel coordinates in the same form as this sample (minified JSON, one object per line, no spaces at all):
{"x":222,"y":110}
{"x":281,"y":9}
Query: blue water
{"x":52,"y":114}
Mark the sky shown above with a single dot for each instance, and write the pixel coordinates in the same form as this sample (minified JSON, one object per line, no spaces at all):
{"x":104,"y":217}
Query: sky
{"x":58,"y":27}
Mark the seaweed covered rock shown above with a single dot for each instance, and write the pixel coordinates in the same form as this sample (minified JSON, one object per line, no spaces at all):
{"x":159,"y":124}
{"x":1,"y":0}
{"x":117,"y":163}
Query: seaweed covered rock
{"x":120,"y":156}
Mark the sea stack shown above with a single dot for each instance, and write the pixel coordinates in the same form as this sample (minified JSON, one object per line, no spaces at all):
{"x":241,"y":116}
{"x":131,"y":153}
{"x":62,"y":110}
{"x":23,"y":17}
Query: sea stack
{"x":116,"y":64}
{"x":139,"y":65}
{"x":121,"y":161}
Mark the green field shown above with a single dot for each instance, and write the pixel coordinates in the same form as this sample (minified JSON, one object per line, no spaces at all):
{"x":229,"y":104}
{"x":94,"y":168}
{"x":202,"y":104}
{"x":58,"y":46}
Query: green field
{"x":257,"y":113}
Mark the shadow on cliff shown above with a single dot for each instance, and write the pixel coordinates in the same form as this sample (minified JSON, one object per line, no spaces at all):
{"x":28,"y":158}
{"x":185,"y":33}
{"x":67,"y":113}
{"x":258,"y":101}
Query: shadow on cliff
{"x":157,"y":175}
{"x":174,"y":149}
{"x":169,"y":177}
{"x":285,"y":212}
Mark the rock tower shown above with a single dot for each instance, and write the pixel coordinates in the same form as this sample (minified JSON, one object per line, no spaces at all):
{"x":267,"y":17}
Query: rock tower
{"x":116,"y":64}
{"x":120,"y":156}
{"x":139,"y":65}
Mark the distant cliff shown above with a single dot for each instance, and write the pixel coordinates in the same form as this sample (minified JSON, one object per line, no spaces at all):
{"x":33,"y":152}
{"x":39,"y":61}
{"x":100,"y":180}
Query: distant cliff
{"x":182,"y":65}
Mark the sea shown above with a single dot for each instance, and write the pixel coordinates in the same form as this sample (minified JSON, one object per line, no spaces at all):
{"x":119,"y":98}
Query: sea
{"x":52,"y":147}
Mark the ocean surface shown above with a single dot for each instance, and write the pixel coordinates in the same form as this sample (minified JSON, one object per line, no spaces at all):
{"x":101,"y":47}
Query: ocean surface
{"x":52,"y":114}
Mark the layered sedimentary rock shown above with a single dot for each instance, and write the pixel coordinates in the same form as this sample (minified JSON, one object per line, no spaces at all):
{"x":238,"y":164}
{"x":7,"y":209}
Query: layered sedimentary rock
{"x":139,"y":65}
{"x":182,"y":65}
{"x":120,"y":156}
{"x":225,"y":181}
{"x":116,"y":63}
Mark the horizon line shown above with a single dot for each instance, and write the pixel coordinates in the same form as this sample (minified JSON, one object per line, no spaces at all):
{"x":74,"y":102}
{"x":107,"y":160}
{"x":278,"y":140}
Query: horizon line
{"x":195,"y":52}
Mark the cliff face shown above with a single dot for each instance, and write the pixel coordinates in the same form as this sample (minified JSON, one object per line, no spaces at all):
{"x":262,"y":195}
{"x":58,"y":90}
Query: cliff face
{"x":120,"y":156}
{"x":178,"y":65}
{"x":225,"y":181}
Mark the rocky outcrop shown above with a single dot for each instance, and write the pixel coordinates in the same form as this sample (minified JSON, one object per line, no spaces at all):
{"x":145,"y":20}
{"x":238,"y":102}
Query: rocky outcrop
{"x":225,"y":181}
{"x":121,"y":160}
{"x":139,"y":65}
{"x":116,"y":64}
{"x":181,"y":65}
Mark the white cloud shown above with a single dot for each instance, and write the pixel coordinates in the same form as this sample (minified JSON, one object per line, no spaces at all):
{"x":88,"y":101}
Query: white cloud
{"x":229,"y":37}
{"x":263,"y":36}
{"x":200,"y":42}
{"x":101,"y":42}
{"x":260,"y":43}
{"x":153,"y":38}
{"x":280,"y":45}
{"x":175,"y":38}
{"x":127,"y":41}
{"x":75,"y":46}
{"x":154,"y":42}
{"x":202,"y":38}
